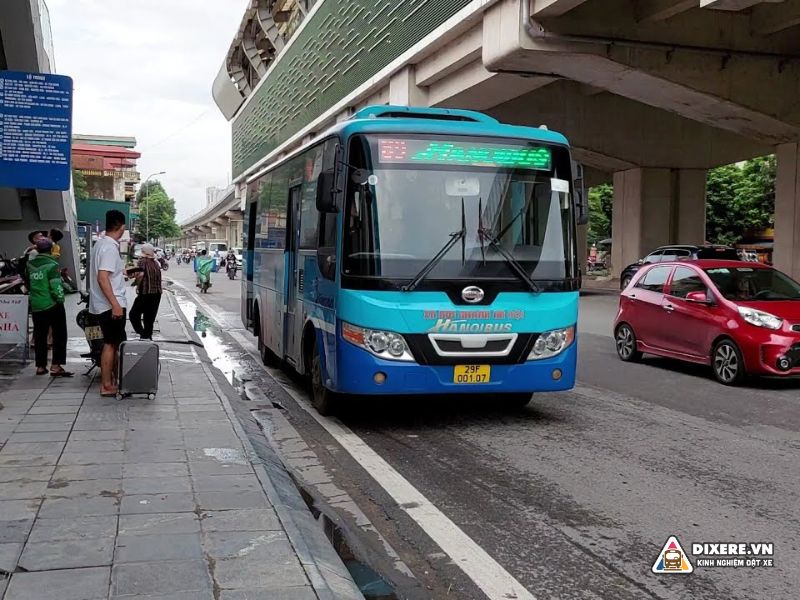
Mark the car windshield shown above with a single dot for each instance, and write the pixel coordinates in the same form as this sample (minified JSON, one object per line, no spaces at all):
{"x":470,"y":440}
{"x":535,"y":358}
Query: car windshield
{"x":752,"y":284}
{"x":407,"y":198}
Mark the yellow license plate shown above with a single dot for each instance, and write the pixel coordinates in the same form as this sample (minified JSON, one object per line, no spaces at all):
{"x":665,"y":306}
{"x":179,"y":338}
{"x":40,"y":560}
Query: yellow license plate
{"x":472,"y":374}
{"x":94,"y":333}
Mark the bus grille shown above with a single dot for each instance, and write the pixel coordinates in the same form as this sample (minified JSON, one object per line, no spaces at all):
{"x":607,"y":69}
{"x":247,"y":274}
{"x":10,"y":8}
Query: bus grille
{"x":510,"y":349}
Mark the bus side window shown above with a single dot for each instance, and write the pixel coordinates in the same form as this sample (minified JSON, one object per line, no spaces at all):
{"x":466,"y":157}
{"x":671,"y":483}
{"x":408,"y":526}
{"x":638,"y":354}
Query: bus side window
{"x":309,"y":217}
{"x":327,"y":239}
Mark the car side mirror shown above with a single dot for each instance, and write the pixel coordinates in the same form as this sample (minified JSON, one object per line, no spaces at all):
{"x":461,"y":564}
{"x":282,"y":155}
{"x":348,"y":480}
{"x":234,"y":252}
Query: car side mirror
{"x":326,"y":260}
{"x":698,"y":298}
{"x":326,"y":194}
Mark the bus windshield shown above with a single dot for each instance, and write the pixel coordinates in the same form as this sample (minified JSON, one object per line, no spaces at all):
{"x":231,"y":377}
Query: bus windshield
{"x":408,"y":196}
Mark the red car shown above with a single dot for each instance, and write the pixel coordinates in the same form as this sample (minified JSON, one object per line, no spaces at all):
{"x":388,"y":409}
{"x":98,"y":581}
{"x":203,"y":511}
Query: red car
{"x":741,"y":318}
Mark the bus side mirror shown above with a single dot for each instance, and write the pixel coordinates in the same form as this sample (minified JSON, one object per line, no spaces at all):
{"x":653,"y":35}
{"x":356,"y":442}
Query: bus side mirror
{"x":326,"y":193}
{"x":581,"y":198}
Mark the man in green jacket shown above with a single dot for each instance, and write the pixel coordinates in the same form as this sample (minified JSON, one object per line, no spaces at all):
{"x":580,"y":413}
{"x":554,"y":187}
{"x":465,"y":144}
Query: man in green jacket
{"x":47,"y":306}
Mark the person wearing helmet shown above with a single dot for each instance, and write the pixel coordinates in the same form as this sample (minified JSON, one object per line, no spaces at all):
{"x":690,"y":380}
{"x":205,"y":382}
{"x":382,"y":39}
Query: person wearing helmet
{"x":47,"y":306}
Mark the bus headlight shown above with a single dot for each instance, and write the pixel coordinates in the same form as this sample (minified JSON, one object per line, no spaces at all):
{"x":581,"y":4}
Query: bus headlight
{"x":551,"y":343}
{"x":383,"y":344}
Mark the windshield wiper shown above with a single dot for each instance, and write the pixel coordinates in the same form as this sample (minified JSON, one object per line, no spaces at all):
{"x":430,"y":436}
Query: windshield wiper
{"x":485,"y":234}
{"x":454,"y":238}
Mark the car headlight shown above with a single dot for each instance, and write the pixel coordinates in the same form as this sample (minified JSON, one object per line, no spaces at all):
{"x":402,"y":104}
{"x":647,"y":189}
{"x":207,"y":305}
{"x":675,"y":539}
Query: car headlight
{"x":383,"y":344}
{"x":759,"y":318}
{"x":551,"y":343}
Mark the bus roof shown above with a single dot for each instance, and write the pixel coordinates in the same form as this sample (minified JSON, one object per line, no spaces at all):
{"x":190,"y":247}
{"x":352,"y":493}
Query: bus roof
{"x":442,"y":121}
{"x":398,"y":120}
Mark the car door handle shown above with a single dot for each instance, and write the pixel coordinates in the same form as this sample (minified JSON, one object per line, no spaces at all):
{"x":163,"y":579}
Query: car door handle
{"x":668,"y":307}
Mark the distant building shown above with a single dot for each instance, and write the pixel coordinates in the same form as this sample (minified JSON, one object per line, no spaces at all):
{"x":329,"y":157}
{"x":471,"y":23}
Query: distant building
{"x":108,"y":164}
{"x":213,"y":194}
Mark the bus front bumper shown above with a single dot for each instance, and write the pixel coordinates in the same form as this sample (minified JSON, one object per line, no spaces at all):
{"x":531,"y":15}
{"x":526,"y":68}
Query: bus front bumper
{"x":357,"y":369}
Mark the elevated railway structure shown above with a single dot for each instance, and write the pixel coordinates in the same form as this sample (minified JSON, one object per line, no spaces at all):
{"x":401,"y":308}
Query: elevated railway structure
{"x":651,"y":93}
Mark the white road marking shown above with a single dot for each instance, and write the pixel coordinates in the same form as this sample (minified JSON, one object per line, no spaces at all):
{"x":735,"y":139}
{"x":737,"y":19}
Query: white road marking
{"x":474,"y":561}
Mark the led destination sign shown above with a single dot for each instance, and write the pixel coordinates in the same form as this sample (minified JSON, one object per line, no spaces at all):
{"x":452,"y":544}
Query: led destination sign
{"x":473,"y":154}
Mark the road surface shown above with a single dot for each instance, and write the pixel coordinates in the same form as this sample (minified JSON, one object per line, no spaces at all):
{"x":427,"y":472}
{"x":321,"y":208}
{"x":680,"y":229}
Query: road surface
{"x":571,"y":497}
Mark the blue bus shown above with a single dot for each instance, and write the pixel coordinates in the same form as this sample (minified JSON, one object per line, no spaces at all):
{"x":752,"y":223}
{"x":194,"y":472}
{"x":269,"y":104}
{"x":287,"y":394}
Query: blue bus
{"x":417,"y":251}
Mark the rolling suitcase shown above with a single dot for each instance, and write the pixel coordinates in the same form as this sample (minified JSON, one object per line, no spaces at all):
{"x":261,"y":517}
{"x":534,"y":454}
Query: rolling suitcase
{"x":139,"y":367}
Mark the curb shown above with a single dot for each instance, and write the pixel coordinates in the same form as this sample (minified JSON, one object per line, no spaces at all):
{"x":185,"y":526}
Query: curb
{"x":327,"y":574}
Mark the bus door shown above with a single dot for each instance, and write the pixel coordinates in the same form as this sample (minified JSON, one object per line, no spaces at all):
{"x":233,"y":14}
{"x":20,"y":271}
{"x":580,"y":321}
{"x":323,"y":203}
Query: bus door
{"x":294,"y":276}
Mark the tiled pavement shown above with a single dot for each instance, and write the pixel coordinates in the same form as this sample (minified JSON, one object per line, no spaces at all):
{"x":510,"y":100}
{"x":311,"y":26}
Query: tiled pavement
{"x":135,"y":499}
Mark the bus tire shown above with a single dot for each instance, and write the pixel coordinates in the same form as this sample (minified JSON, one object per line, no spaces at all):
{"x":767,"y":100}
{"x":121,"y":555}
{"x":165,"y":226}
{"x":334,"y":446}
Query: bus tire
{"x":323,"y":399}
{"x":268,"y":357}
{"x":519,"y":400}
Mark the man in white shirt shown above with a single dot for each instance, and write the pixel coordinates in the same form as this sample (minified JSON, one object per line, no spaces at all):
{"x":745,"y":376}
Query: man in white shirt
{"x":107,"y":297}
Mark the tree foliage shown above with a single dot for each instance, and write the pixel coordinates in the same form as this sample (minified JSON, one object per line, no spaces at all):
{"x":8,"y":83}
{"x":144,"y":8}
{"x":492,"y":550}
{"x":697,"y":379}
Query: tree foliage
{"x":740,"y":198}
{"x":601,"y":202}
{"x":79,"y":186}
{"x":156,"y":211}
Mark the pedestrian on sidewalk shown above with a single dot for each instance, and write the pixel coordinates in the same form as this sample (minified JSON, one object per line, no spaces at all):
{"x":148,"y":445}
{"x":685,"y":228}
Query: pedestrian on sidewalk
{"x":47,"y":306}
{"x":148,"y":289}
{"x":107,"y":297}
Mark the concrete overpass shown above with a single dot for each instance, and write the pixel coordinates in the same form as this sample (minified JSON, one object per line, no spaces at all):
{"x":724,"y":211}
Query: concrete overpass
{"x":651,"y":93}
{"x":221,"y":220}
{"x":26,"y":44}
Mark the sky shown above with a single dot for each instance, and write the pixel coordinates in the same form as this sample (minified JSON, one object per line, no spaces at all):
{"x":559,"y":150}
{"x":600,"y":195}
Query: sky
{"x":144,"y":68}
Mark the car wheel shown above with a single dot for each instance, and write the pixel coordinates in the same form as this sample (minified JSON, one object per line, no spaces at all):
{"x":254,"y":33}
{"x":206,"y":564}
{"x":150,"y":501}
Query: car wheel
{"x":625,"y":340}
{"x":625,"y":281}
{"x":727,"y":363}
{"x":322,"y":398}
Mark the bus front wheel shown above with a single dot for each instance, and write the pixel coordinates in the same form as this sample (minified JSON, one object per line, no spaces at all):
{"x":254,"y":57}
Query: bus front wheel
{"x":268,"y":357}
{"x":322,"y":398}
{"x":520,"y":400}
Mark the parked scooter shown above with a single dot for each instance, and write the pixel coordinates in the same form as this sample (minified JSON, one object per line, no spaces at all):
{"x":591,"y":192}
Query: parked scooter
{"x":94,"y":334}
{"x":12,"y":284}
{"x":11,"y":281}
{"x":70,"y":287}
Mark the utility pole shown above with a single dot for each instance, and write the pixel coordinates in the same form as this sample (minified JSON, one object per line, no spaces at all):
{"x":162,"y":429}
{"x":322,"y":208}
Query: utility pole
{"x":146,"y":199}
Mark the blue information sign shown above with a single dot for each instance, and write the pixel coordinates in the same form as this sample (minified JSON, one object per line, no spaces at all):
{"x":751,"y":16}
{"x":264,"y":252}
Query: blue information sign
{"x":35,"y":130}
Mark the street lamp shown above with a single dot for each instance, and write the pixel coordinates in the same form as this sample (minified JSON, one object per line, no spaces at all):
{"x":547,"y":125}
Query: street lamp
{"x":147,"y":221}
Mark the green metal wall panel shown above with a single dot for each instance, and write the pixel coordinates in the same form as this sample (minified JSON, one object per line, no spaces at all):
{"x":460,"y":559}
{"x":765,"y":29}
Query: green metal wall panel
{"x":344,"y":44}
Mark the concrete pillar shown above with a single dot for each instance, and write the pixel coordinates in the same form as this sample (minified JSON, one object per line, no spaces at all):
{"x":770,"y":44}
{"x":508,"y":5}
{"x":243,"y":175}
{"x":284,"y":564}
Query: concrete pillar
{"x":690,"y":220}
{"x":404,"y":91}
{"x":654,"y":207}
{"x":786,"y":256}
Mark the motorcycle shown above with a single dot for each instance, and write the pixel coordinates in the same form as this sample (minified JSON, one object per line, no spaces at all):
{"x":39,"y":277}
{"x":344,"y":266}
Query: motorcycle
{"x":94,"y":334}
{"x":230,"y":267}
{"x":67,"y":282}
{"x":12,"y":284}
{"x":11,"y":281}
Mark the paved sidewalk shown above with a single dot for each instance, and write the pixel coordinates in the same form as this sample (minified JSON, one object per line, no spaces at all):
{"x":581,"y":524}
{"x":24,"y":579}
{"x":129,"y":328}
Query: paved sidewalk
{"x":138,"y":499}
